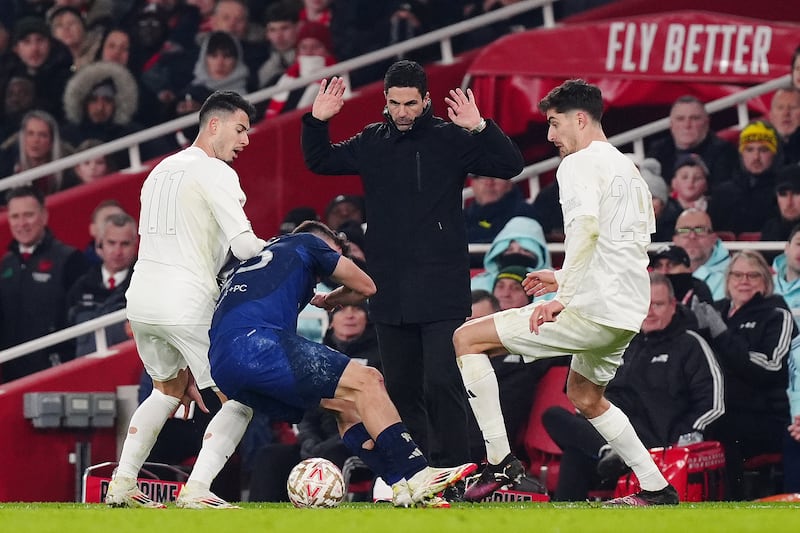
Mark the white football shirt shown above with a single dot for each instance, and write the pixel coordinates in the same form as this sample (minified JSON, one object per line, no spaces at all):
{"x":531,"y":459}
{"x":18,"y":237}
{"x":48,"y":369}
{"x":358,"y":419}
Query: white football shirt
{"x":192,"y":206}
{"x":599,"y":181}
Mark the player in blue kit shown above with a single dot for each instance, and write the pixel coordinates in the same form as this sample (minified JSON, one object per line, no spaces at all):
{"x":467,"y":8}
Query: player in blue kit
{"x":258,"y":359}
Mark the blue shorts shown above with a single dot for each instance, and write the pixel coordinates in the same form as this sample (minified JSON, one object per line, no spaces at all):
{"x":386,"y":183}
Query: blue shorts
{"x":275,"y":372}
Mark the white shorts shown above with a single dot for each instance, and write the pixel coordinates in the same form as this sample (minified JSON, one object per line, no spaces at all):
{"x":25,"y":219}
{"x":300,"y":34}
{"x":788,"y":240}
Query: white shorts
{"x":166,"y":349}
{"x":596,"y":349}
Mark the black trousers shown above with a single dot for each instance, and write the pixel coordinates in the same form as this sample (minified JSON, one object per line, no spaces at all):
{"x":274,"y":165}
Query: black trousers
{"x":423,"y":381}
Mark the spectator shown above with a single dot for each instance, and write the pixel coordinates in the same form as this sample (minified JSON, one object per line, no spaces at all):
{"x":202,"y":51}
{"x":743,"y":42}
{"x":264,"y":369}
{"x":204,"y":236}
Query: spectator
{"x":508,"y":287}
{"x":219,"y":67}
{"x":747,"y":201}
{"x":95,"y":13}
{"x":673,"y":262}
{"x":345,"y":207}
{"x":18,"y":99}
{"x":318,"y":11}
{"x":791,"y":450}
{"x":690,"y":182}
{"x":669,"y":384}
{"x":416,"y":243}
{"x":520,"y":243}
{"x":665,"y":207}
{"x":295,"y":217}
{"x":232,"y":16}
{"x":548,"y":212}
{"x":100,"y":103}
{"x":38,"y":143}
{"x":784,"y":114}
{"x":313,"y":54}
{"x":281,"y":25}
{"x":787,"y":193}
{"x":103,"y":210}
{"x":101,"y":290}
{"x":751,"y":330}
{"x":496,"y":202}
{"x":38,"y":269}
{"x":483,"y":303}
{"x":90,"y":170}
{"x":357,"y":241}
{"x":709,"y":258}
{"x":45,"y":60}
{"x":787,"y":273}
{"x":689,"y":133}
{"x":68,"y":26}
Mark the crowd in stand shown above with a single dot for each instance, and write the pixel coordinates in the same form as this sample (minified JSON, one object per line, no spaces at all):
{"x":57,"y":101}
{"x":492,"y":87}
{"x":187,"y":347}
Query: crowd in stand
{"x":74,"y":74}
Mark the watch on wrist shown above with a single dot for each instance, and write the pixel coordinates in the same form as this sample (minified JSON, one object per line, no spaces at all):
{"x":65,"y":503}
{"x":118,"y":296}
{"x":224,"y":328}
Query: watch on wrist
{"x":479,"y":128}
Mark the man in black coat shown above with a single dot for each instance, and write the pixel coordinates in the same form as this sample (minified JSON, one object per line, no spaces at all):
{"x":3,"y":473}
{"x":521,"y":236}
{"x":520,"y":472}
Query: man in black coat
{"x":37,"y":270}
{"x":413,"y":167}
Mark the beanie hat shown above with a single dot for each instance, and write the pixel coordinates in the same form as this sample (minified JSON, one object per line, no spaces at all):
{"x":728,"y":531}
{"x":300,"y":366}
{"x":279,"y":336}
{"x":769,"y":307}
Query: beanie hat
{"x":29,"y":25}
{"x":691,"y":160}
{"x":315,"y":30}
{"x":759,"y":131}
{"x":517,"y":273}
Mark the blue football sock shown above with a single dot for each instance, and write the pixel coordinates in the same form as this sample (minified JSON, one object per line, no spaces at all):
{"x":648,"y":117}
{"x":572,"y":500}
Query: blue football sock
{"x":354,"y":438}
{"x":399,"y":451}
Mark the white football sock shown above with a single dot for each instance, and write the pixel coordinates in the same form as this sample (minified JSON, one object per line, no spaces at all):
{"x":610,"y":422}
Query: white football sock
{"x":615,"y":427}
{"x":219,"y":442}
{"x":143,"y":430}
{"x":484,"y":399}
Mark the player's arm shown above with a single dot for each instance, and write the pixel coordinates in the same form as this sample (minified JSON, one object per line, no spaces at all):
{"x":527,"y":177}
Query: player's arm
{"x":583,"y":233}
{"x":247,"y":245}
{"x":356,"y":286}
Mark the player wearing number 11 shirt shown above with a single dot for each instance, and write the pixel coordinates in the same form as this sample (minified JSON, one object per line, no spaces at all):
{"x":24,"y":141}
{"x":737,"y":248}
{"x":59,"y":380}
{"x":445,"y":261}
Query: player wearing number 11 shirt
{"x":602,"y":297}
{"x":191,"y":217}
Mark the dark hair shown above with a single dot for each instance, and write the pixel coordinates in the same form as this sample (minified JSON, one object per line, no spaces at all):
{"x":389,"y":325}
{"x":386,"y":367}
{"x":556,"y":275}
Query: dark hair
{"x":227,"y":101}
{"x":406,"y":73}
{"x":66,"y":9}
{"x":480,"y":295}
{"x":315,"y":227}
{"x":657,"y":278}
{"x":98,"y":56}
{"x":574,"y":95}
{"x":282,"y":12}
{"x":795,"y":56}
{"x":222,"y":41}
{"x":24,"y":192}
{"x":792,"y":233}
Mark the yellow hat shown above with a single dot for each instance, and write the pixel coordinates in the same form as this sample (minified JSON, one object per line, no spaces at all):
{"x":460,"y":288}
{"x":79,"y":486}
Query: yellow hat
{"x":759,"y":132}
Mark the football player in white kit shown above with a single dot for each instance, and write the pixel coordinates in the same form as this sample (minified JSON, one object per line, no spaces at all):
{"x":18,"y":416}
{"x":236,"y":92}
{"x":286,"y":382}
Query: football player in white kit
{"x":191,"y":217}
{"x":602,"y":297}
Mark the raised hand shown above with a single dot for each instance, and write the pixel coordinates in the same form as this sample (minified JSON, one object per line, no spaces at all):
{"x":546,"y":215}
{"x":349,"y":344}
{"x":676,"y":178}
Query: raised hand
{"x":462,"y":109}
{"x":329,"y":100}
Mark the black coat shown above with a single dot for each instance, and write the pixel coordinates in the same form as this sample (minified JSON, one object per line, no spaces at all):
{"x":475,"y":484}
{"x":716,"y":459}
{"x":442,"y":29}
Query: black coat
{"x":754,"y":355}
{"x":89,"y":298}
{"x":416,"y":241}
{"x":33,"y":300}
{"x":719,"y":155}
{"x":744,"y":203}
{"x":669,"y":383}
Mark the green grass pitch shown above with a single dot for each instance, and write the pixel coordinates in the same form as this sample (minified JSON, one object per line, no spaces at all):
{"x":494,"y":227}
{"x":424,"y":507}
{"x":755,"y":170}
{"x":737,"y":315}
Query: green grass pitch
{"x":382,"y":518}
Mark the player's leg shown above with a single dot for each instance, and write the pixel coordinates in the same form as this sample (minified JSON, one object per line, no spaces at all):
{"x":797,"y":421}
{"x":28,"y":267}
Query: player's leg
{"x":586,"y":394}
{"x":162,"y":362}
{"x":475,"y":342}
{"x":222,"y":435}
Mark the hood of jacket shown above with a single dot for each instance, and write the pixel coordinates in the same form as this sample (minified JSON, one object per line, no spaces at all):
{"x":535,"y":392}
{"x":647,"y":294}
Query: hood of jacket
{"x":79,"y":87}
{"x":790,"y":290}
{"x":528,"y":234}
{"x":235,"y":81}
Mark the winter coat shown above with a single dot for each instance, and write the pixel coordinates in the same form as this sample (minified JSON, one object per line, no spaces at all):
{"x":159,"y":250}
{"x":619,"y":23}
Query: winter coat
{"x":712,"y":272}
{"x":484,"y":222}
{"x":669,"y":383}
{"x":416,"y":241}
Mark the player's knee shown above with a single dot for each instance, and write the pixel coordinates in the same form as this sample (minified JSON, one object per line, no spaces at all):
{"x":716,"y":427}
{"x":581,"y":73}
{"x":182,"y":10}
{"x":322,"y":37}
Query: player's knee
{"x":461,"y":339}
{"x":371,"y":380}
{"x":583,"y":402}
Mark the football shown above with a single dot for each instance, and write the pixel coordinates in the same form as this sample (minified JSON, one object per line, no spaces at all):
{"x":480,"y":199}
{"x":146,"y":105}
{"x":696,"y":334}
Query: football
{"x":315,"y":482}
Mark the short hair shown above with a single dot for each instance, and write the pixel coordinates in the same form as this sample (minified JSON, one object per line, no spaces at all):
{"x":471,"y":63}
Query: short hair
{"x":119,"y":220}
{"x":574,"y":95}
{"x":755,"y":257}
{"x":227,"y":102}
{"x":657,"y":278}
{"x":282,"y":12}
{"x":315,"y":227}
{"x":688,"y":99}
{"x":481,"y":295}
{"x":109,"y":202}
{"x":406,"y":73}
{"x":24,"y":192}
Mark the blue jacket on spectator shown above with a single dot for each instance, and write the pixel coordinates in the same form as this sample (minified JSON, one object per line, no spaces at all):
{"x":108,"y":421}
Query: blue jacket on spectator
{"x":790,"y":290}
{"x":713,"y":271}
